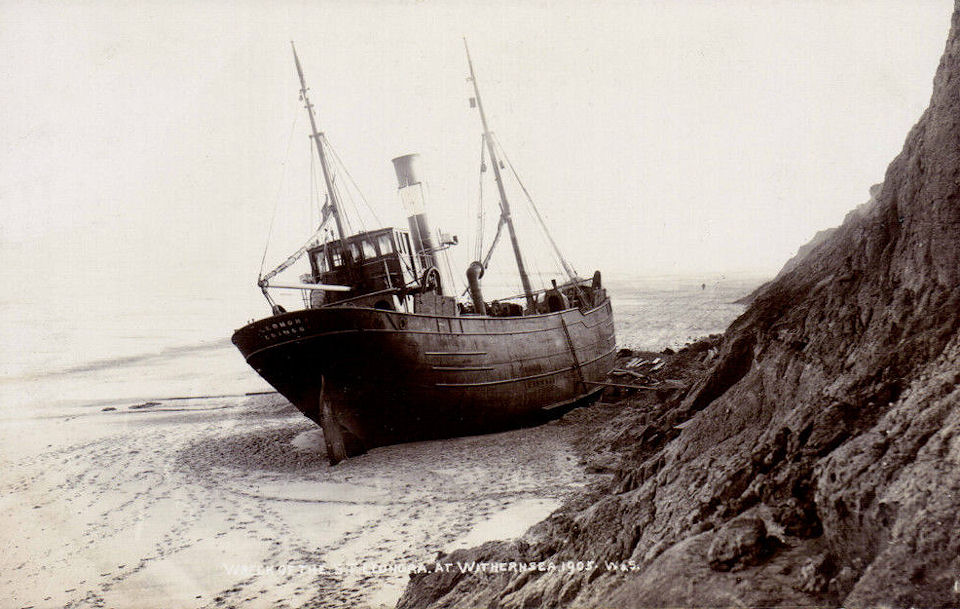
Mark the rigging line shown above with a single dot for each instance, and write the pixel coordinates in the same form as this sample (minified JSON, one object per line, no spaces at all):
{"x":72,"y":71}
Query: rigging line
{"x":354,"y":182}
{"x":324,"y":206}
{"x":571,"y":272}
{"x":405,"y":261}
{"x":555,"y":262}
{"x":480,"y":215}
{"x":496,"y":239}
{"x":292,"y":258}
{"x":344,"y":219}
{"x":555,"y":268}
{"x":314,"y":194}
{"x":276,"y":205}
{"x":453,"y":282}
{"x":535,"y":260}
{"x":347,"y":193}
{"x":353,"y":205}
{"x":500,"y":220}
{"x":338,"y":195}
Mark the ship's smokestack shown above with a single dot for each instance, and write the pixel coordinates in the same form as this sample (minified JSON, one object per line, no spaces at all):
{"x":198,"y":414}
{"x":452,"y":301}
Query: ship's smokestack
{"x":413,"y":198}
{"x":474,"y":273}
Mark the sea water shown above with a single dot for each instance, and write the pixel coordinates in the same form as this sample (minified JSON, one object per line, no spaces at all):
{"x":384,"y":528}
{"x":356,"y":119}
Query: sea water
{"x":128,"y":347}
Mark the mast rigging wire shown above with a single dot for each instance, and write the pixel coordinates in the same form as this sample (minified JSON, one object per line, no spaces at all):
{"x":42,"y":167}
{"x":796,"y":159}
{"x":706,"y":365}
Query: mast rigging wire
{"x":478,"y":249}
{"x":354,"y":182}
{"x":276,"y":205}
{"x":571,"y":272}
{"x":496,"y":239}
{"x":292,"y":258}
{"x":314,"y":191}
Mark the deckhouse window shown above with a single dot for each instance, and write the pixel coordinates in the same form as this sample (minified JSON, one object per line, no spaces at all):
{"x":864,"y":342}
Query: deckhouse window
{"x":385,"y":244}
{"x":369,"y":250}
{"x":321,"y":260}
{"x":336,"y":258}
{"x":355,"y":250}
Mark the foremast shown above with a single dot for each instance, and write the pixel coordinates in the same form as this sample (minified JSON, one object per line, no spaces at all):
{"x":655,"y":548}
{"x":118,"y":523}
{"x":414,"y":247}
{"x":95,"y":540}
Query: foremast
{"x":504,"y":203}
{"x":317,"y":137}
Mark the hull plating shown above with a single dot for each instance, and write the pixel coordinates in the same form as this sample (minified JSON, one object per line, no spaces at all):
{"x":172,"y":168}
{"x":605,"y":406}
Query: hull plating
{"x":396,"y":377}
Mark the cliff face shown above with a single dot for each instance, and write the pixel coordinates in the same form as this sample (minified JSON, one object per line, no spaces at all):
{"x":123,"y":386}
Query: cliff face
{"x":821,"y":237}
{"x":818,"y":462}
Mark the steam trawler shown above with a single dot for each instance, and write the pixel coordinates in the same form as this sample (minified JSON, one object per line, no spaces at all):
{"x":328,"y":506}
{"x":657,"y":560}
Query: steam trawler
{"x":384,"y":353}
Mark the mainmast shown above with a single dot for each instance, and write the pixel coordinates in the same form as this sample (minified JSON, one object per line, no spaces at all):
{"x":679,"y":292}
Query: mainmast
{"x":504,"y":203}
{"x":327,"y":177}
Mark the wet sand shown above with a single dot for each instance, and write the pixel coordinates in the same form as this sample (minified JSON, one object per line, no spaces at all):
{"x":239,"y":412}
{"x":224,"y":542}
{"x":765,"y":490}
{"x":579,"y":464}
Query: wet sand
{"x":230,"y":502}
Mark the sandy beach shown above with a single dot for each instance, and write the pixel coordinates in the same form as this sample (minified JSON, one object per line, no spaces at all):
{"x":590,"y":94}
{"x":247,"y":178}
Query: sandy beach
{"x":118,"y":501}
{"x":230,"y":501}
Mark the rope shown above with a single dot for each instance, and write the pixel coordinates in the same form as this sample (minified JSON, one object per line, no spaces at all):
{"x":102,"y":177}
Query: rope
{"x":480,"y":216}
{"x":292,"y":258}
{"x":352,"y":181}
{"x":454,"y":286}
{"x":496,"y":239}
{"x":276,"y":205}
{"x":314,"y":190}
{"x":554,"y":264}
{"x":571,"y":272}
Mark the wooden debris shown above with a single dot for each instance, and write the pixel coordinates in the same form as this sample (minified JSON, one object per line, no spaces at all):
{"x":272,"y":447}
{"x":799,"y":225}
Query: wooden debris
{"x":620,"y":385}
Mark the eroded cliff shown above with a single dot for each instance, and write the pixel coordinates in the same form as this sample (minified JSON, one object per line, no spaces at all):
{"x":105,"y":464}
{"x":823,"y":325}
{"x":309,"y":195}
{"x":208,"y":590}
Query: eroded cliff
{"x":817,"y":463}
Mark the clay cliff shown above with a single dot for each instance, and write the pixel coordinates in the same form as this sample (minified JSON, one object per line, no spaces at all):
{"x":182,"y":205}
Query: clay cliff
{"x":820,"y":237}
{"x":817,"y":461}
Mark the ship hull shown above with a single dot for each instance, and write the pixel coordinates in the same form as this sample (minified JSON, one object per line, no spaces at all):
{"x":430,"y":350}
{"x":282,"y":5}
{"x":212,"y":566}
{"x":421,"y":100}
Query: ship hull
{"x":392,"y":377}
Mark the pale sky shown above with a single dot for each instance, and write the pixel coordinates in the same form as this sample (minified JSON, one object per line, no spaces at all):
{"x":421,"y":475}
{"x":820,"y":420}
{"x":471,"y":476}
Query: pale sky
{"x":147,"y":144}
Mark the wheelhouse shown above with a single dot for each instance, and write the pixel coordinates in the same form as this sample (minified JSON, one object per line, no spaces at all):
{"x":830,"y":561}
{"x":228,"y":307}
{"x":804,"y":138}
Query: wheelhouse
{"x":377,"y":261}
